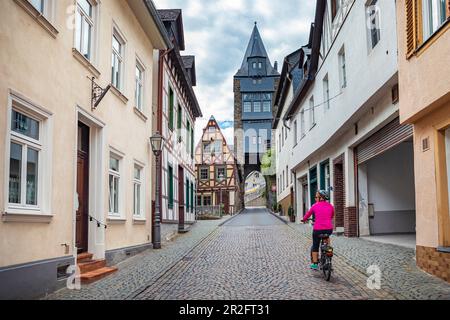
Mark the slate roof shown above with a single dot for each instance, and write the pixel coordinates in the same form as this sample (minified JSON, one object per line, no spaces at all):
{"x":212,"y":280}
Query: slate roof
{"x":169,"y":14}
{"x":255,"y":48}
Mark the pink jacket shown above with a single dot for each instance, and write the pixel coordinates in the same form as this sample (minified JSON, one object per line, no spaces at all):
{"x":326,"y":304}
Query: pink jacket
{"x":324,"y":213}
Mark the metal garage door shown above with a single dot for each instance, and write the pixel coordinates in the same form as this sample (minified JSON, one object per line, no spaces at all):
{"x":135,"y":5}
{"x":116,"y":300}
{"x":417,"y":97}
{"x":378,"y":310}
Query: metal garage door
{"x":385,"y":139}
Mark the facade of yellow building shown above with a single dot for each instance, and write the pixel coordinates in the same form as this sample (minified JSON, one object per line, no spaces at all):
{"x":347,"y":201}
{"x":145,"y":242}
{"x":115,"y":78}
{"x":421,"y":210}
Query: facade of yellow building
{"x":424,"y":68}
{"x":71,"y":180}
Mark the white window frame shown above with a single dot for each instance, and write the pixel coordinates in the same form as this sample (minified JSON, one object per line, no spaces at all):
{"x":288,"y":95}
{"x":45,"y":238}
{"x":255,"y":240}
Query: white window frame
{"x":91,"y":20}
{"x":120,"y":56}
{"x":342,"y":68}
{"x":326,"y":93}
{"x":312,"y":113}
{"x":23,"y":105}
{"x":201,"y":171}
{"x":117,"y":175}
{"x":140,"y":214}
{"x":140,"y":86}
{"x":302,"y":124}
{"x":373,"y":15}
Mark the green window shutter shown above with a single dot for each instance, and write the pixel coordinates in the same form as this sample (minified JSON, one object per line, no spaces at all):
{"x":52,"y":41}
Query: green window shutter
{"x":192,"y":143}
{"x":187,"y":195}
{"x":170,"y":187}
{"x":192,"y":197}
{"x":171,"y":106}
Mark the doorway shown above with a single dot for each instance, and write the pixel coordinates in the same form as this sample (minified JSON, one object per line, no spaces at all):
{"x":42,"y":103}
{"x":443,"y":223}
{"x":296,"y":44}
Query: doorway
{"x":82,"y":214}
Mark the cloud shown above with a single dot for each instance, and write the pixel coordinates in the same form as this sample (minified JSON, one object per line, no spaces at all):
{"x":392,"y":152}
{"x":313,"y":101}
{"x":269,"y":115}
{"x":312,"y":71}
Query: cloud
{"x":217,"y":33}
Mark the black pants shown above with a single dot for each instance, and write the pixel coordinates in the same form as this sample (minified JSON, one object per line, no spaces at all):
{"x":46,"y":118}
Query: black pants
{"x":316,"y":239}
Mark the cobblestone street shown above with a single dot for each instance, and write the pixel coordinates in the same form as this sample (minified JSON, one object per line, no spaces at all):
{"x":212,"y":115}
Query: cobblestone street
{"x":257,"y":256}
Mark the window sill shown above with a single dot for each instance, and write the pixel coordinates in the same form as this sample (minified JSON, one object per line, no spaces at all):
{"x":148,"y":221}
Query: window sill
{"x":85,"y":62}
{"x":138,"y":220}
{"x":118,"y":219}
{"x":443,"y":249}
{"x":40,"y":19}
{"x":140,"y":114}
{"x":26,"y":216}
{"x":119,"y":94}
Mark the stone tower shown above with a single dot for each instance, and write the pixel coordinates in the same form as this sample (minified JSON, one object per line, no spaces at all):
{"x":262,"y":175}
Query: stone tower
{"x":254,"y":87}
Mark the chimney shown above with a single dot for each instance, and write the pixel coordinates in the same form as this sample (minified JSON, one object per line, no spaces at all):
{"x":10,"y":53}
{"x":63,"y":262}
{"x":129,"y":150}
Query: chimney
{"x":275,"y":65}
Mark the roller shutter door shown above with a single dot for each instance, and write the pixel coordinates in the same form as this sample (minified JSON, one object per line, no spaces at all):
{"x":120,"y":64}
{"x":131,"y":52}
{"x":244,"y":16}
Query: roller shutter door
{"x":388,"y":137}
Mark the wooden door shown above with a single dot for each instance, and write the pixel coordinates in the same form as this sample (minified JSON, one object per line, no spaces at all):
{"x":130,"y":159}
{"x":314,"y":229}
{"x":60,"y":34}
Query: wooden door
{"x":82,"y":214}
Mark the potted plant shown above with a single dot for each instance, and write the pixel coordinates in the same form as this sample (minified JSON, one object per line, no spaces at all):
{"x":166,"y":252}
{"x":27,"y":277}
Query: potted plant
{"x":291,"y":214}
{"x":280,"y":209}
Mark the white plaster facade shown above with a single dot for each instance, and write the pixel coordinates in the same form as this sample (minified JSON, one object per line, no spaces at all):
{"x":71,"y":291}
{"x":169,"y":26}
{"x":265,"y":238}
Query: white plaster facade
{"x":365,"y":101}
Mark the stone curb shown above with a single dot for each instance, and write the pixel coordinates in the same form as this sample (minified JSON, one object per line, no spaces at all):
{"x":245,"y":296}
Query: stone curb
{"x":231,"y":218}
{"x":278,"y":217}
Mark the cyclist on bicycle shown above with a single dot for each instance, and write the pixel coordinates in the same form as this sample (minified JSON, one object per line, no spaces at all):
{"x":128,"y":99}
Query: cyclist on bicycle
{"x":323,"y":212}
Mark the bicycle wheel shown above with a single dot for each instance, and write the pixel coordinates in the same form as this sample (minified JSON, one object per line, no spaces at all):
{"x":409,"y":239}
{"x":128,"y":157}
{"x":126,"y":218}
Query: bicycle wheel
{"x":327,"y":269}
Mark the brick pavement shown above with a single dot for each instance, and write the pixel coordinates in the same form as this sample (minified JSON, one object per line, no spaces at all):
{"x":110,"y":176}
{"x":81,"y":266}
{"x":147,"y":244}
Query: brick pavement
{"x":400,"y":275}
{"x":136,"y":272}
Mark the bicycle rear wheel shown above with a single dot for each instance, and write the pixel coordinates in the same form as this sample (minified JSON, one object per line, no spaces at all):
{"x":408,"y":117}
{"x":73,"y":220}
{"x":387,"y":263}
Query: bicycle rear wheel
{"x":327,"y":269}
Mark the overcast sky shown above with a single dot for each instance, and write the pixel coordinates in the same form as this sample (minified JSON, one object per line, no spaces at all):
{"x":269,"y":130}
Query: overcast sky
{"x":217,"y":33}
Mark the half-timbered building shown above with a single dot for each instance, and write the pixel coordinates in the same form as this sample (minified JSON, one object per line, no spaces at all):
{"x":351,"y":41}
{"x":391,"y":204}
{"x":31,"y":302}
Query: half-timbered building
{"x":216,"y":171}
{"x":178,"y":109}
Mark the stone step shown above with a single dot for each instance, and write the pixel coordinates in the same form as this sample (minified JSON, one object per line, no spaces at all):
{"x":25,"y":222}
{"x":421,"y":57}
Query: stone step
{"x":95,"y":275}
{"x":84,"y":257}
{"x":91,"y":265}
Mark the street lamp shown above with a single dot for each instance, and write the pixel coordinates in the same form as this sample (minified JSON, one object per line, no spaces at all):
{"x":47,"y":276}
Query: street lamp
{"x":156,"y":142}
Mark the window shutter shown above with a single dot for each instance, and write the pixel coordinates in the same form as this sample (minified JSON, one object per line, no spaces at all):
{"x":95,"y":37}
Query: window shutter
{"x":411,"y":27}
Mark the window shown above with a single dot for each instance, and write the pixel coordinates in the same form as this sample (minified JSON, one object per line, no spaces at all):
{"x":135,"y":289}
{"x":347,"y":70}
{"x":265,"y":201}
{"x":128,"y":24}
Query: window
{"x":188,"y":131}
{"x":326,"y":93}
{"x":342,"y":68}
{"x":259,"y":65}
{"x":207,"y":148}
{"x":137,"y":192}
{"x":254,"y":65}
{"x":287,"y":176}
{"x":114,"y":185}
{"x":282,"y":136}
{"x":171,"y":106}
{"x":38,"y":4}
{"x":170,"y":186}
{"x":180,"y":118}
{"x":25,"y":149}
{"x":204,"y":173}
{"x":285,"y":133}
{"x":267,"y":106}
{"x":302,"y":123}
{"x":312,"y":113}
{"x":206,"y":200}
{"x":192,"y":197}
{"x":247,"y":106}
{"x":187,"y":196}
{"x":117,"y":60}
{"x":295,"y":133}
{"x":84,"y":25}
{"x":254,"y":141}
{"x":257,"y":106}
{"x":199,"y":200}
{"x":217,"y":147}
{"x":192,"y":143}
{"x":279,"y":142}
{"x":221,"y":173}
{"x":433,"y":16}
{"x":373,"y":18}
{"x":212,"y":129}
{"x":139,"y":95}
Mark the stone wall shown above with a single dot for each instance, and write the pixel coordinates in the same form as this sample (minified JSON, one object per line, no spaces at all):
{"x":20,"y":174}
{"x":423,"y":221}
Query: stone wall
{"x":434,"y":262}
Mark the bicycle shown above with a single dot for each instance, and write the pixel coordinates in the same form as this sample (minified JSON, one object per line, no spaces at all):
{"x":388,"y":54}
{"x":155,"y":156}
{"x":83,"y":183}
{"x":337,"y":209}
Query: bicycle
{"x":326,"y":253}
